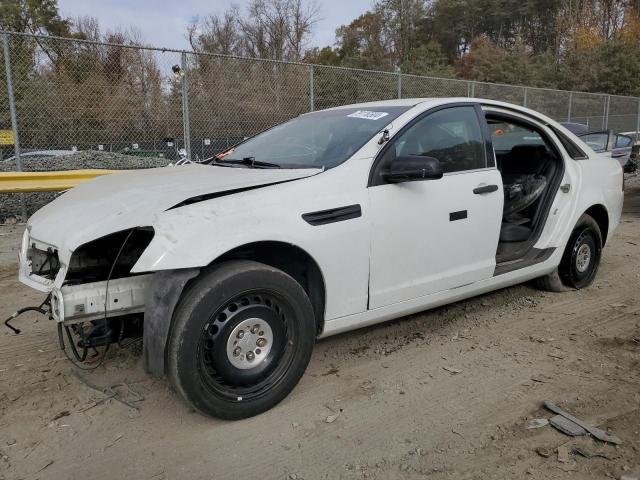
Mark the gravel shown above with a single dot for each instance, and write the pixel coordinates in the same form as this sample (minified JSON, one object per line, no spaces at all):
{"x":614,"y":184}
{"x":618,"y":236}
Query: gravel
{"x":10,"y":202}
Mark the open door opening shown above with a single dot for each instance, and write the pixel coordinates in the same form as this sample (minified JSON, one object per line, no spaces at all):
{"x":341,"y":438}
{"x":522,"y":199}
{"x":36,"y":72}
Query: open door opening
{"x":531,"y":168}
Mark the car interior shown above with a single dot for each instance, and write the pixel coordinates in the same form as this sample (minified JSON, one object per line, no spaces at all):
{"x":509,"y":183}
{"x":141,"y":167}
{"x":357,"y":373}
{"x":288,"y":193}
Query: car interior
{"x":531,"y":170}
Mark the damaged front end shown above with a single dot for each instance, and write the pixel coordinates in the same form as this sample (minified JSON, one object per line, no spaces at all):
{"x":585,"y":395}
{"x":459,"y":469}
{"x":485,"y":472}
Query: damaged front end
{"x":107,"y":273}
{"x":96,"y":283}
{"x":95,"y":299}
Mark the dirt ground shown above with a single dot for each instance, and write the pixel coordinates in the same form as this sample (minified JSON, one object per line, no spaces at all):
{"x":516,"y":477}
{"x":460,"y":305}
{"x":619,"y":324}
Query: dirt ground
{"x":399,"y":409}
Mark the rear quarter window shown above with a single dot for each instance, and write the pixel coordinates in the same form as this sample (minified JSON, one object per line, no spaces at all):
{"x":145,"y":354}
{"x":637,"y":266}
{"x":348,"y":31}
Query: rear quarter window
{"x":572,"y":149}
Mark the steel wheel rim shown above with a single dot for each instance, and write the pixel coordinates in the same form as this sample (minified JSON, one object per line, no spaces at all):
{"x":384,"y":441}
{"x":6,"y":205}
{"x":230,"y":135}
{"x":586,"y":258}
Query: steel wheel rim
{"x":582,"y":263}
{"x":249,"y":343}
{"x":583,"y":257}
{"x":281,"y":351}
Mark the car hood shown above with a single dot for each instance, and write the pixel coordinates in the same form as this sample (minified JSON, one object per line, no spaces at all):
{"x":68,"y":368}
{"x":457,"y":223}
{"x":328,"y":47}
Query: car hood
{"x":119,"y":201}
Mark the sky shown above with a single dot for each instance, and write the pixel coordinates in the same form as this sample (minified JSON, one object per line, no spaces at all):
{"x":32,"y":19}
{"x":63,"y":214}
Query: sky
{"x":163,"y":23}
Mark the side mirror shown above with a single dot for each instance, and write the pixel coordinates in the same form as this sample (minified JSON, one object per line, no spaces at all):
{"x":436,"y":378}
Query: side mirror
{"x":411,"y":168}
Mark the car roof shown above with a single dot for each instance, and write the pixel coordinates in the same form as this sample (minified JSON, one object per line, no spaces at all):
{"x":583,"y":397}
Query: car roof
{"x":429,"y":102}
{"x":404,"y":102}
{"x":435,"y":101}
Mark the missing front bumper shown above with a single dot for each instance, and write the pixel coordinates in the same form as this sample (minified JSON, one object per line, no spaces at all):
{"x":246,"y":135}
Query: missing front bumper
{"x":88,"y":301}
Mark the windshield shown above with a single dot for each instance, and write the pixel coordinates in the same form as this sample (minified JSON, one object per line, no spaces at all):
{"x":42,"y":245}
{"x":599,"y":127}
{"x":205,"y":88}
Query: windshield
{"x":322,"y":139}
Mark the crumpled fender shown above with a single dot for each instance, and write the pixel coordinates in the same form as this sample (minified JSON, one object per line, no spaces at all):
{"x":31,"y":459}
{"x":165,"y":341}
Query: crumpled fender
{"x":195,"y":235}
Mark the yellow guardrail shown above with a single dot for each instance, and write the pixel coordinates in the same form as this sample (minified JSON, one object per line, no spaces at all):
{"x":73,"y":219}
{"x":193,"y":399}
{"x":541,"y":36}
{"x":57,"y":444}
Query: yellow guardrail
{"x":18,"y":182}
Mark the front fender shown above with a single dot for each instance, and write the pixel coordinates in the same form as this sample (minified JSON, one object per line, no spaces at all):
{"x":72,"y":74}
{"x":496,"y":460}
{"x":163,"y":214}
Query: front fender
{"x":195,"y":235}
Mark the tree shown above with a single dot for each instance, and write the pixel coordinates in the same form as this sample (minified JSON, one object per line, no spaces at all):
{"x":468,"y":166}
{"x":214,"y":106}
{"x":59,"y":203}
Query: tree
{"x":401,"y":20}
{"x":28,"y":16}
{"x":504,"y":22}
{"x":33,"y":16}
{"x":362,"y":43}
{"x":322,"y":56}
{"x":621,"y":69}
{"x":216,"y":33}
{"x":270,"y":29}
{"x":428,"y":59}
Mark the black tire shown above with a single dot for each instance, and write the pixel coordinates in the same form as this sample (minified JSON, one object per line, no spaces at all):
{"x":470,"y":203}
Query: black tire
{"x":631,"y":166}
{"x":241,"y":338}
{"x":551,"y":283}
{"x":580,"y":260}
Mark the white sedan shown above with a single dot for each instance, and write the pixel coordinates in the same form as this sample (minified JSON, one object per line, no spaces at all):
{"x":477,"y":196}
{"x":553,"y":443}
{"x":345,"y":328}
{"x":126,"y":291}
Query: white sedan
{"x":331,"y":221}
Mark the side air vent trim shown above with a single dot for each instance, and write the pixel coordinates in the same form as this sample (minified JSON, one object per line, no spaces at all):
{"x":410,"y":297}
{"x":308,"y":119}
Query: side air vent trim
{"x":332,"y":215}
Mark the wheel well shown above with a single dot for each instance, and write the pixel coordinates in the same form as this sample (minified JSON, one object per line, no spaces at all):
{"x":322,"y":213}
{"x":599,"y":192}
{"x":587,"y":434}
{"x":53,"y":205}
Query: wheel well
{"x":600,"y":215}
{"x":292,"y":260}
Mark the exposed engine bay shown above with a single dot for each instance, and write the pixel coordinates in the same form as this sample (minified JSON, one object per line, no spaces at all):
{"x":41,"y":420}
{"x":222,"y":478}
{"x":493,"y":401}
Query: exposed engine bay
{"x":100,"y":302}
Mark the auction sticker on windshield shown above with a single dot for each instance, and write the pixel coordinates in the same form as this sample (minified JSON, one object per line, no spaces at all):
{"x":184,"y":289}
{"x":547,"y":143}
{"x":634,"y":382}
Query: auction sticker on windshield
{"x":368,"y":115}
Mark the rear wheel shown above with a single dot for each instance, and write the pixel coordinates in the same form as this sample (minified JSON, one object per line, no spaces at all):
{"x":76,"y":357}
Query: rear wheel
{"x":580,"y":260}
{"x":242,"y":337}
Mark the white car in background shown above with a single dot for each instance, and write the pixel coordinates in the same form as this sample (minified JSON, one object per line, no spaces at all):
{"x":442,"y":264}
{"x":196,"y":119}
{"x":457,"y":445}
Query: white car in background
{"x":334,"y":220}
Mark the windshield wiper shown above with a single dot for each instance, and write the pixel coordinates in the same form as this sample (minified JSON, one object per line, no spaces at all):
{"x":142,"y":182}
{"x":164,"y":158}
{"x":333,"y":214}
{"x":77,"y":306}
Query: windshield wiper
{"x":250,"y":162}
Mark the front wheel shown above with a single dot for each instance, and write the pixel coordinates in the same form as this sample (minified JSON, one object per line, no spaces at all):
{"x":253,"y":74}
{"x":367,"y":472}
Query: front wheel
{"x":242,"y":337}
{"x":580,"y":260}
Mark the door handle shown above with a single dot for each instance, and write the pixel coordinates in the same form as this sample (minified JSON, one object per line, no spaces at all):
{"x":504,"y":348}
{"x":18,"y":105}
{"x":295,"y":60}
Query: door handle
{"x":485,"y":189}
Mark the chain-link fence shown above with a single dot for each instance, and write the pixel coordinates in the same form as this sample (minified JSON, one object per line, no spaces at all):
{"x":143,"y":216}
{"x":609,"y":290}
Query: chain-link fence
{"x":72,"y":95}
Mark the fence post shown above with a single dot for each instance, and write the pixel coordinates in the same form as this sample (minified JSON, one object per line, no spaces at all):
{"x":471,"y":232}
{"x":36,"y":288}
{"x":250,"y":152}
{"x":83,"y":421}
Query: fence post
{"x":473,"y":89}
{"x":570,"y":106}
{"x":524,"y":103}
{"x":14,"y":118}
{"x":638,"y":122}
{"x":312,"y":100}
{"x":399,"y":83}
{"x":185,"y":106}
{"x":606,"y":112}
